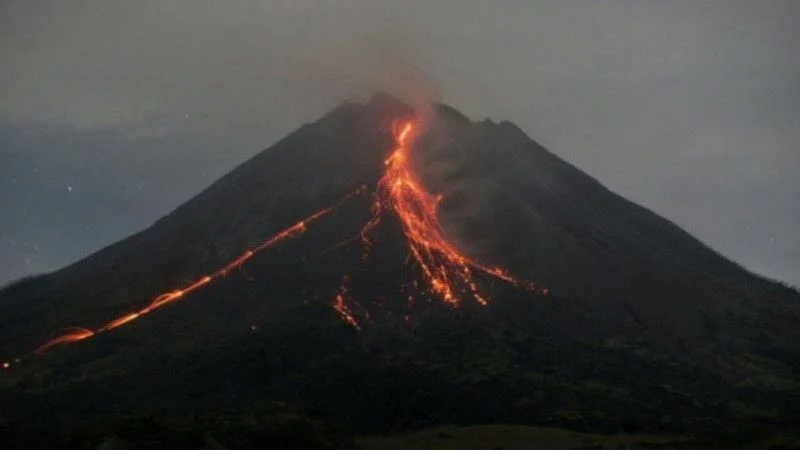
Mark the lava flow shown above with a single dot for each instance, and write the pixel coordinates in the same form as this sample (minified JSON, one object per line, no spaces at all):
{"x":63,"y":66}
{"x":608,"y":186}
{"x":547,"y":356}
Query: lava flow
{"x":73,"y":335}
{"x":448,"y":274}
{"x":78,"y":334}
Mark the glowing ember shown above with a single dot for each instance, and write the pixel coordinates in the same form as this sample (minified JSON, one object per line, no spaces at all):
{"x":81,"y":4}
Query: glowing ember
{"x":340,"y":306}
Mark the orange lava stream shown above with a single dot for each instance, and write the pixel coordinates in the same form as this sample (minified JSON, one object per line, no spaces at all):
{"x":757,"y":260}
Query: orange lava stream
{"x":73,"y":335}
{"x":447,"y":271}
{"x":79,"y":334}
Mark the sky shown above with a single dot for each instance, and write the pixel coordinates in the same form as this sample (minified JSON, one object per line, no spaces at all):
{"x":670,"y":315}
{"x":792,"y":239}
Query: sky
{"x":112,"y":113}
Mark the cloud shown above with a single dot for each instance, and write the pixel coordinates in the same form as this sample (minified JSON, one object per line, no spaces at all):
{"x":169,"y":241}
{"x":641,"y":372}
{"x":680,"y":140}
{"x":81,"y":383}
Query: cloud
{"x":231,"y":67}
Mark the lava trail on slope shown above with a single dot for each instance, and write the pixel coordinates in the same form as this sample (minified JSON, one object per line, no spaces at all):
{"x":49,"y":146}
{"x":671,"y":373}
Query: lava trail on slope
{"x":449,"y":274}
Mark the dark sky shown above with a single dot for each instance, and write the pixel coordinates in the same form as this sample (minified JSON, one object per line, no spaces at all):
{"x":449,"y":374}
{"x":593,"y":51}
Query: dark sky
{"x":114,"y":112}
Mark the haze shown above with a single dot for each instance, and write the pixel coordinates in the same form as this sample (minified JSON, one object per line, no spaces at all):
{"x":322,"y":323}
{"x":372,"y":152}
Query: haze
{"x":112,"y":113}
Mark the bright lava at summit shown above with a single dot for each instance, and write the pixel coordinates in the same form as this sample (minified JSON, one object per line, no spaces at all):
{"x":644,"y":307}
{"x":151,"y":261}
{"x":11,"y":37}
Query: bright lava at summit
{"x":448,"y":273}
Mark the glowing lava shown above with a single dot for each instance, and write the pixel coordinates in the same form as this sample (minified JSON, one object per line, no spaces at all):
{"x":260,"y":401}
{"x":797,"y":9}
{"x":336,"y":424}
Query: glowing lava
{"x":448,"y":272}
{"x":76,"y":334}
{"x":340,"y":305}
{"x":73,"y":335}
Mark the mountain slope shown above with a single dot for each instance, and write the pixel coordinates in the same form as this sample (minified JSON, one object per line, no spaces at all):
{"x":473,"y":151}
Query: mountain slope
{"x":633,"y":320}
{"x":514,"y":202}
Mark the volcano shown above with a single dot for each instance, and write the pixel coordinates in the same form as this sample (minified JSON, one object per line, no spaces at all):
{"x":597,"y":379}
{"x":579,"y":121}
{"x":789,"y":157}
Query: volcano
{"x":388,"y":272}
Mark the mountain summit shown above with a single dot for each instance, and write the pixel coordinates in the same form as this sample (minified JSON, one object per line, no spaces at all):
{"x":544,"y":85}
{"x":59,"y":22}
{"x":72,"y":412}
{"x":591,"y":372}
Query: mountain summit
{"x":386,"y":274}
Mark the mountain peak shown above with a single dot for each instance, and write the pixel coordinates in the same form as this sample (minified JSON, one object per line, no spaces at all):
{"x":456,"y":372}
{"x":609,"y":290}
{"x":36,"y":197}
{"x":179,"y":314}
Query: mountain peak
{"x":383,"y":102}
{"x":444,"y":110}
